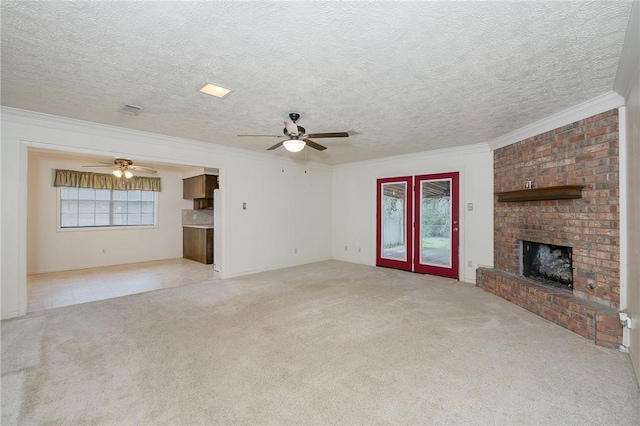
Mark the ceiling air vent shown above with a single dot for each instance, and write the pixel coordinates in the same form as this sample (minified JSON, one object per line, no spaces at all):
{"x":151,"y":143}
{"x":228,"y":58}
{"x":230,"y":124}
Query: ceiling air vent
{"x":131,"y":109}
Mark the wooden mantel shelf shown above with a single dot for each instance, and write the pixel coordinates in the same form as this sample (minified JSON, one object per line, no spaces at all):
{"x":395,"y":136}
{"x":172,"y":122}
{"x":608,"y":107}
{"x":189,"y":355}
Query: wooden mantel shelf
{"x":538,"y":194}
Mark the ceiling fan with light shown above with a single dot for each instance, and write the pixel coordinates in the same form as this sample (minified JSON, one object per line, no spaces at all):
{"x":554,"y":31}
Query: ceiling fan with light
{"x":298,"y":137}
{"x":123,"y":167}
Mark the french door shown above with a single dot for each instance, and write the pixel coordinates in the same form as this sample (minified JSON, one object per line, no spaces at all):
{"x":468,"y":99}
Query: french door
{"x":395,"y":223}
{"x":418,"y":223}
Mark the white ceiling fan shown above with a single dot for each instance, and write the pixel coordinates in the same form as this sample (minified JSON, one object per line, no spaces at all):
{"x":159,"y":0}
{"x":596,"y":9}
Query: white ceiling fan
{"x":123,"y":167}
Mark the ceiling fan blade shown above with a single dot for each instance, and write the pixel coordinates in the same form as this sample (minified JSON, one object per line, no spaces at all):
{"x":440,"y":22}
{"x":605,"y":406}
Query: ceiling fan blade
{"x":143,"y":169}
{"x":278,"y":145}
{"x":99,"y":166}
{"x":292,"y":128}
{"x":312,"y":144}
{"x":329,"y":135}
{"x":262,"y":136}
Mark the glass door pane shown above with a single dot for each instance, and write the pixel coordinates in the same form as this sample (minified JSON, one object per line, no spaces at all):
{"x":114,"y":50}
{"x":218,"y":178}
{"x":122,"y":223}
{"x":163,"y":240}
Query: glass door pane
{"x":435,"y":220}
{"x":394,"y":241}
{"x":394,"y":221}
{"x":436,"y":227}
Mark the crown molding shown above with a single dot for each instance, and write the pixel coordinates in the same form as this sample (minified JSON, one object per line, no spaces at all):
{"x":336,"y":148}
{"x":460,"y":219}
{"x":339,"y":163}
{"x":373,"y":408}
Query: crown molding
{"x":605,"y":102}
{"x":629,"y":65}
{"x":32,"y":118}
{"x":430,"y":155}
{"x":38,"y":119}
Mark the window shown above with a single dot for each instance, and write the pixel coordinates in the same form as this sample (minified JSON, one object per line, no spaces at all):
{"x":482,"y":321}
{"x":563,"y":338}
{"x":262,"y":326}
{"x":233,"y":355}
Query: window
{"x":90,"y":208}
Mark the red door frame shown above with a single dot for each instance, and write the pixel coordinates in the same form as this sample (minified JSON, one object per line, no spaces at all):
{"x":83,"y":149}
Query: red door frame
{"x":406,"y":264}
{"x":443,"y":271}
{"x":413,"y":233}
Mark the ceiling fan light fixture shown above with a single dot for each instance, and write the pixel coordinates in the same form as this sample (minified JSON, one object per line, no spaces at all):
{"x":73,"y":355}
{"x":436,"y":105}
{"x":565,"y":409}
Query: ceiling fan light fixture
{"x":215,"y":90}
{"x":294,"y":145}
{"x":122,"y":171}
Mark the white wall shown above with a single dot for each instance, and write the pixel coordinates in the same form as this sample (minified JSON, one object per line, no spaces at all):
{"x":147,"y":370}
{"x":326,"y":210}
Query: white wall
{"x":627,"y":84}
{"x":50,"y":249}
{"x":354,"y":203}
{"x":286,"y":210}
{"x":14,"y":225}
{"x":632,"y":121}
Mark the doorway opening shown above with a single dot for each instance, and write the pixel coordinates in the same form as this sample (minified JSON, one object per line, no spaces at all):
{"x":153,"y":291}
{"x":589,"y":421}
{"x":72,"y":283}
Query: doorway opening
{"x":66,"y":266}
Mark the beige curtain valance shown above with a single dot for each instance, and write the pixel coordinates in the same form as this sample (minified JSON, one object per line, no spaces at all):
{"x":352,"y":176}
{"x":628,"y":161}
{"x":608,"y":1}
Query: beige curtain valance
{"x":105,"y":181}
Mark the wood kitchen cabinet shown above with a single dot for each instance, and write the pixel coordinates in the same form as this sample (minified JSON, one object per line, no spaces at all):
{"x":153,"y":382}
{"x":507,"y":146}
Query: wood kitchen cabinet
{"x":197,"y":244}
{"x":199,"y":187}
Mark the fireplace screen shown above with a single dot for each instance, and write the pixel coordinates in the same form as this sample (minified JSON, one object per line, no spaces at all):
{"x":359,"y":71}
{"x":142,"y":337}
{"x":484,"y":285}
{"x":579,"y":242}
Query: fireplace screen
{"x":547,"y":263}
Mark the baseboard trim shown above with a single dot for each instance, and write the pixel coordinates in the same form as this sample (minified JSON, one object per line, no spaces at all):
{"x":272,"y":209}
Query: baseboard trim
{"x":359,"y":262}
{"x":101,"y":266}
{"x":12,"y":314}
{"x":469,"y":281}
{"x":636,"y":368}
{"x":287,"y":265}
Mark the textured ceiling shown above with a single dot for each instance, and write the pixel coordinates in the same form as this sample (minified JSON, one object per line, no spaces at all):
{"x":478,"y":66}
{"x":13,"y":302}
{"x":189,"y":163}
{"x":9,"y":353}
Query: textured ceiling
{"x":407,"y":76}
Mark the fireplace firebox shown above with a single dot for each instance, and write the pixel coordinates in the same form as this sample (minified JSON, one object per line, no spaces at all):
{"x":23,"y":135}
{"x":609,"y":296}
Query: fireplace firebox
{"x":548,"y":264}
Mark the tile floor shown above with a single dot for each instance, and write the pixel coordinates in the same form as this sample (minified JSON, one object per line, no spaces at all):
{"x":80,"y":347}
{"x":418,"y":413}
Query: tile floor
{"x":55,"y":289}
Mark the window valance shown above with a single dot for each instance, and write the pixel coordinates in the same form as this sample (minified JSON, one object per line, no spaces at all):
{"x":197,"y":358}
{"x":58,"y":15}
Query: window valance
{"x":105,"y":181}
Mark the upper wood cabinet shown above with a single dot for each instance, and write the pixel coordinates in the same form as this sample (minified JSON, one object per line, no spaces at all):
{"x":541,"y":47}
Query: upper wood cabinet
{"x":199,"y":187}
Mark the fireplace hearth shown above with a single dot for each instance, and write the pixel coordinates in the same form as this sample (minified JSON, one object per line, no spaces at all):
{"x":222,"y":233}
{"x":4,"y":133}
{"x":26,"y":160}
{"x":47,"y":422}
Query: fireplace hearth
{"x":548,"y":264}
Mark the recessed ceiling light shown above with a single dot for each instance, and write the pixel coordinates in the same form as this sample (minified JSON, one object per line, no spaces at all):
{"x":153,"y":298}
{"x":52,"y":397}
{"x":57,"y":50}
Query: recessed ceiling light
{"x":217,"y":91}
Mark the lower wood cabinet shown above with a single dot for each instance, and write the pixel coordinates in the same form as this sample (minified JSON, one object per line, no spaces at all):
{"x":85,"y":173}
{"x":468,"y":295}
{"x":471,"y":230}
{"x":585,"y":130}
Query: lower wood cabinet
{"x":197,"y":244}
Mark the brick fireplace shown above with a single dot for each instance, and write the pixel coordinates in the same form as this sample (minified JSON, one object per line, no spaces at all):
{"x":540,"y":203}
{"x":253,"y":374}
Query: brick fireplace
{"x":583,"y":157}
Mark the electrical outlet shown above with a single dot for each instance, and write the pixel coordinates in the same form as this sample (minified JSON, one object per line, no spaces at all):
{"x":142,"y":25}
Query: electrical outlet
{"x":244,"y":206}
{"x":469,"y":207}
{"x":359,"y":249}
{"x":104,"y":251}
{"x":469,"y":264}
{"x":345,"y":248}
{"x":295,"y":250}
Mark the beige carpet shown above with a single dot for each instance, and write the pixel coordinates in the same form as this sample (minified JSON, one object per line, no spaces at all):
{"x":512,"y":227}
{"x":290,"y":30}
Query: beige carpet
{"x":326,"y":343}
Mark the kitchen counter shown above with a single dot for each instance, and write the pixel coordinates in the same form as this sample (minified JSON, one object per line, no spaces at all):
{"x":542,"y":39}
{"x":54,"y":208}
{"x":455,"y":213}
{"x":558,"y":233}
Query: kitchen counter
{"x":198,"y":226}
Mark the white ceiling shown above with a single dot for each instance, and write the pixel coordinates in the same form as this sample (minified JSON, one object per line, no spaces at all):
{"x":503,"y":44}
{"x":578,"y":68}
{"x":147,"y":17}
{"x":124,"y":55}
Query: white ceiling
{"x":407,"y":76}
